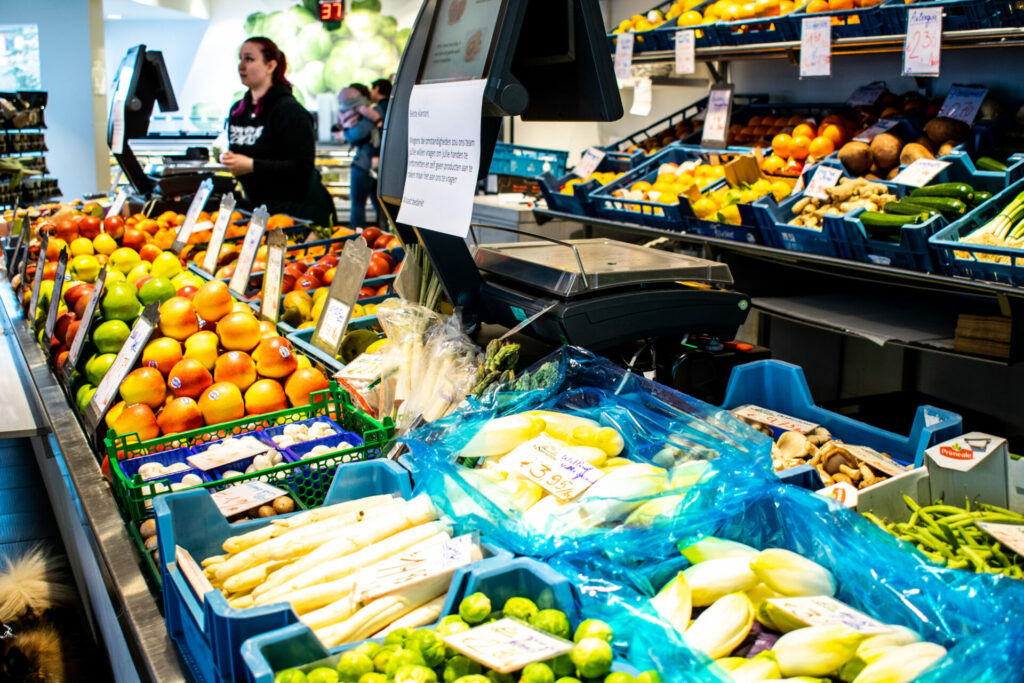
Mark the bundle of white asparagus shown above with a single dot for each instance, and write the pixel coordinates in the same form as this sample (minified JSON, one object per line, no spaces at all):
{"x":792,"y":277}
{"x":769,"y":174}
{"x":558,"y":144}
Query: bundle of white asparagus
{"x":312,"y":561}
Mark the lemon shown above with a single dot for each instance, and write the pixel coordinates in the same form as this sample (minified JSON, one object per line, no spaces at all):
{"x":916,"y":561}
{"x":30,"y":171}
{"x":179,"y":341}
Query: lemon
{"x":704,"y":207}
{"x":780,"y":190}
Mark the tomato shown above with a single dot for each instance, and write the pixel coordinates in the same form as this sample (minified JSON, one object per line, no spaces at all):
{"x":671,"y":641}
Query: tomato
{"x":367,"y":292}
{"x":378,"y":268}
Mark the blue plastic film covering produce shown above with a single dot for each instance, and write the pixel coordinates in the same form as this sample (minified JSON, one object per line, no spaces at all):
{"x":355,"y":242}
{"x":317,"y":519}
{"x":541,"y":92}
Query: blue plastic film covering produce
{"x":584,"y":455}
{"x":792,"y":586}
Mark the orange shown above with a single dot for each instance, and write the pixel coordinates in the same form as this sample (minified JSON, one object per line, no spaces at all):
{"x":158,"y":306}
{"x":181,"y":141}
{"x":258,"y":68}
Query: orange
{"x":840,"y":4}
{"x":773,"y":164}
{"x":691,"y":18}
{"x":821,"y":147}
{"x":806,"y":130}
{"x":800,"y":147}
{"x":780,"y":145}
{"x":833,"y":133}
{"x":786,"y":6}
{"x":817,"y":6}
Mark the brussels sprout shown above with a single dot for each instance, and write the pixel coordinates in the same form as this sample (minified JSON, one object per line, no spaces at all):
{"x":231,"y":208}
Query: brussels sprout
{"x":428,"y":644}
{"x":403,"y":657}
{"x":475,"y":608}
{"x":619,"y":677}
{"x":415,"y":673}
{"x":370,"y":649}
{"x":537,"y":673}
{"x":594,"y":628}
{"x":459,"y":666}
{"x":322,"y":674}
{"x":451,"y":619}
{"x":553,"y":621}
{"x":397,"y":637}
{"x":562,"y":665}
{"x":520,"y":608}
{"x":649,"y":676}
{"x":290,"y":676}
{"x":373,"y":677}
{"x":495,"y":677}
{"x":592,"y":657}
{"x":383,"y":657}
{"x":352,"y":665}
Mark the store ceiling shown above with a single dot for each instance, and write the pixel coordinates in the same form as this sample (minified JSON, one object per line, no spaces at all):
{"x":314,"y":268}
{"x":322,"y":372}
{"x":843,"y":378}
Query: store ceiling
{"x":156,"y":9}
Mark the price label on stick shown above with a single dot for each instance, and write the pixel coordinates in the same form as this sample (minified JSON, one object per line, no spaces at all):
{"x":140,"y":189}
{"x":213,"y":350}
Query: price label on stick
{"x":270,"y":302}
{"x":589,"y":162}
{"x":920,"y":173}
{"x":220,"y":229}
{"x":922,"y":47}
{"x":348,"y":278}
{"x":866,"y":95}
{"x":84,"y":326}
{"x":963,"y":103}
{"x":192,"y":216}
{"x":23,"y":271}
{"x":37,"y":279}
{"x":507,"y":645}
{"x":874,"y":131}
{"x":193,"y":572}
{"x":59,"y":279}
{"x":824,"y":177}
{"x":624,"y":55}
{"x":253,"y":236}
{"x":1010,"y":535}
{"x":815,"y":47}
{"x":411,"y":568}
{"x":716,"y":121}
{"x":117,"y":205}
{"x":686,"y":52}
{"x":122,"y":365}
{"x":545,"y":462}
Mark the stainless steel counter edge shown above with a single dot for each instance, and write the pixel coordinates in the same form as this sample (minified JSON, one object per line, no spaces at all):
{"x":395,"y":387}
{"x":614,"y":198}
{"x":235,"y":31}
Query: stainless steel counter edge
{"x":151,"y":648}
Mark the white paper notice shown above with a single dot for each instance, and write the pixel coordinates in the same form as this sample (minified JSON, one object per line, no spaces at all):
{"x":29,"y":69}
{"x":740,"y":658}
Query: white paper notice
{"x":624,"y":55}
{"x":923,"y":44}
{"x":816,"y":47}
{"x":642,"y":97}
{"x":444,"y":156}
{"x":686,"y":52}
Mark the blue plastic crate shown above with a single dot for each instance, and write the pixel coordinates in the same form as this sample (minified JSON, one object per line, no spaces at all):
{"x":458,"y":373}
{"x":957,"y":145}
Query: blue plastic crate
{"x":962,"y":258}
{"x":302,"y":341}
{"x":527,"y":162}
{"x":578,"y":203}
{"x":816,"y":110}
{"x":208,"y":632}
{"x":647,"y":41}
{"x":870,"y":21}
{"x":220,"y":473}
{"x":267,"y":435}
{"x":756,"y":31}
{"x":957,"y":15}
{"x":782,"y":387}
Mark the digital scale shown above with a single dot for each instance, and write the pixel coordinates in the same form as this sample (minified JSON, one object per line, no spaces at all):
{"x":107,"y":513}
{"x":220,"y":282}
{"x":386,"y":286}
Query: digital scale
{"x":546,"y":60}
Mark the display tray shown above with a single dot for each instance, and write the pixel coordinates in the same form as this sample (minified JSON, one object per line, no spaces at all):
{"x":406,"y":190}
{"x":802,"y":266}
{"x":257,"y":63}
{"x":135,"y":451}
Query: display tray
{"x":576,"y":266}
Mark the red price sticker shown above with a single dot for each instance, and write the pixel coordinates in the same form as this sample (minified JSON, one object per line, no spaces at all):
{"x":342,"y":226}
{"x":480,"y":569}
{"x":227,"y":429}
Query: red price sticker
{"x":923,"y":44}
{"x":816,"y":47}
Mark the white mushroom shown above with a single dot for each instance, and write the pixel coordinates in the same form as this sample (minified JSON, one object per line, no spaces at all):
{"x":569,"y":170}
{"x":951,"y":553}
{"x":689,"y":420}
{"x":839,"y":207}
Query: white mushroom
{"x":151,"y":470}
{"x":191,"y":480}
{"x":175,"y":467}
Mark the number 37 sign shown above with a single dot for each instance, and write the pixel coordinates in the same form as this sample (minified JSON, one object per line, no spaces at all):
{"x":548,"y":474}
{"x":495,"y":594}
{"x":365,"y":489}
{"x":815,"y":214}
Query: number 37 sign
{"x":923,"y":43}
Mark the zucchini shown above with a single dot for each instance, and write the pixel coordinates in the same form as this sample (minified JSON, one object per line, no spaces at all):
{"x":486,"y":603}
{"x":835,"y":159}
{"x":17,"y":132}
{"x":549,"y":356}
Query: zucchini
{"x":990,"y":164}
{"x":960,"y":191}
{"x":877,"y":219}
{"x":980,"y":197}
{"x":905,"y":207}
{"x":945,"y":205}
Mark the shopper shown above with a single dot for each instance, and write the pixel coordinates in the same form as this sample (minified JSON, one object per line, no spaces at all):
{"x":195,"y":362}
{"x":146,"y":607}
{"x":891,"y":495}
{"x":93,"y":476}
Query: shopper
{"x":271,"y":144}
{"x":359,"y":119}
{"x":380,"y":94}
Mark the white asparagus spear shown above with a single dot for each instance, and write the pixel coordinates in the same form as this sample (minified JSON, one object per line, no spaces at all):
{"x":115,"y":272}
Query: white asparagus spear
{"x":252,"y":577}
{"x":423,"y":615}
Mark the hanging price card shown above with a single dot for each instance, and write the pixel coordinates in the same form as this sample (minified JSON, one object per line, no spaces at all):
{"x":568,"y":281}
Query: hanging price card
{"x":60,"y":278}
{"x":824,"y":177}
{"x":192,"y":572}
{"x":194,"y":209}
{"x":37,"y":279}
{"x":923,"y":45}
{"x":270,"y":301}
{"x":642,"y":97}
{"x":589,"y":162}
{"x":920,"y":172}
{"x":253,"y":237}
{"x":816,"y":47}
{"x":117,"y":205}
{"x":507,"y":645}
{"x":411,"y":568}
{"x":716,"y":121}
{"x":874,"y":131}
{"x":866,"y":95}
{"x":624,"y":55}
{"x":122,"y":365}
{"x":220,"y":228}
{"x":963,"y":103}
{"x":84,"y":326}
{"x":686,"y":52}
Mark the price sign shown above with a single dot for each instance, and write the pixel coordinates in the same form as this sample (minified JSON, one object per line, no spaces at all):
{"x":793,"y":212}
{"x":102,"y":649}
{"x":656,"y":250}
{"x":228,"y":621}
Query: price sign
{"x":61,"y":277}
{"x":234,"y":500}
{"x":879,"y":461}
{"x":253,"y":236}
{"x":507,"y":645}
{"x":1010,"y":535}
{"x":192,"y":572}
{"x":920,"y":172}
{"x":773,"y":419}
{"x":270,"y":300}
{"x":37,"y":280}
{"x":411,"y":568}
{"x":824,"y":177}
{"x":118,"y":204}
{"x":16,"y":252}
{"x":963,"y":103}
{"x":624,"y":55}
{"x":122,"y":365}
{"x":545,"y":462}
{"x":923,"y":45}
{"x":866,"y":95}
{"x":822,"y":610}
{"x":874,"y":131}
{"x":220,"y":228}
{"x":589,"y":162}
{"x":842,"y":493}
{"x":194,"y":209}
{"x":226,"y":453}
{"x":716,"y":121}
{"x":642,"y":97}
{"x":686,"y":52}
{"x":815,"y":47}
{"x":84,"y":326}
{"x":348,"y":278}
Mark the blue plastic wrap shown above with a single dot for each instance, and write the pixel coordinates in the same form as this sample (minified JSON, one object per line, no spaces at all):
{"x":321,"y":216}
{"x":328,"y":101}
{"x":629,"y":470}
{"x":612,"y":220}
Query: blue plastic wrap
{"x":708,"y":455}
{"x":975,"y":616}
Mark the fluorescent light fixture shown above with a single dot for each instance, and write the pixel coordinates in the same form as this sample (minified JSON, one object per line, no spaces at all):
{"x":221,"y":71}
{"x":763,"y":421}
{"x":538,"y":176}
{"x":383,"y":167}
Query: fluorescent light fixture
{"x":113,"y":16}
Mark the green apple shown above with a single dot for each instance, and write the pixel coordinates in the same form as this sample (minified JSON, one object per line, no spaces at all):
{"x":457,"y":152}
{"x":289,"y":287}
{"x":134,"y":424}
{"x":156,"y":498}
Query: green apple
{"x":97,"y":366}
{"x":166,"y":265}
{"x":120,"y":302}
{"x":83,"y":396}
{"x":139,"y":271}
{"x":115,"y":276}
{"x":157,"y":289}
{"x":110,"y":336}
{"x":124,"y":259}
{"x":85,"y":267}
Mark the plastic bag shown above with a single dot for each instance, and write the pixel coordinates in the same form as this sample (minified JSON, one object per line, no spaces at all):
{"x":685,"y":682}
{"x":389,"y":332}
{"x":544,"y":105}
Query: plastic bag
{"x":975,"y":616}
{"x":701,"y":456}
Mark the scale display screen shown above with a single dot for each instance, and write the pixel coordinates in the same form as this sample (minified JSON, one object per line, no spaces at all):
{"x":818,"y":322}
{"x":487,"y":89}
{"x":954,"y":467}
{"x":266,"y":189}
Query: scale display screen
{"x":461,"y":40}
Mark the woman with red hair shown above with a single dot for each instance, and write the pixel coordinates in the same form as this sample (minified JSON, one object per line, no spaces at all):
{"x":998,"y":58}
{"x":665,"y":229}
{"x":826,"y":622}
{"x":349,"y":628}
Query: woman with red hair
{"x":271,"y":145}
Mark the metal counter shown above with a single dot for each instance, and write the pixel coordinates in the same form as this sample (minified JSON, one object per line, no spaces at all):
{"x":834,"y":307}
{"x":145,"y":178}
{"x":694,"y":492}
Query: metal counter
{"x":103,"y":558}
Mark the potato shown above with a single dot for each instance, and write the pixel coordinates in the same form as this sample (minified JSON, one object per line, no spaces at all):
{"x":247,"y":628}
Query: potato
{"x":148,"y":529}
{"x":925,"y":142}
{"x":855,"y":157}
{"x":284,"y":505}
{"x":885,"y":149}
{"x":943,"y":128}
{"x":893,"y":173}
{"x":913,"y":152}
{"x":948,"y":147}
{"x":150,"y":543}
{"x":266,"y":511}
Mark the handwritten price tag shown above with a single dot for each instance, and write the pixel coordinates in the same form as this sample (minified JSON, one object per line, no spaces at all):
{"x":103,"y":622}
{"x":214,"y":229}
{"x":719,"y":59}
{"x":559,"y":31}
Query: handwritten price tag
{"x":335,"y":320}
{"x":507,"y":645}
{"x":118,"y":204}
{"x":220,"y":228}
{"x":963,"y":103}
{"x":214,"y":457}
{"x":866,"y":95}
{"x":773,"y":419}
{"x":1010,"y":535}
{"x":624,"y":55}
{"x":874,"y":131}
{"x":237,"y":499}
{"x":192,"y":216}
{"x":411,"y":568}
{"x":192,"y":572}
{"x":270,"y":301}
{"x":589,"y":162}
{"x":816,"y":47}
{"x":686,"y":52}
{"x":253,"y":237}
{"x":824,"y":177}
{"x":716,"y":121}
{"x":923,"y":45}
{"x":842,"y":493}
{"x":546,"y":463}
{"x":83,"y":327}
{"x":920,"y":172}
{"x":822,"y":610}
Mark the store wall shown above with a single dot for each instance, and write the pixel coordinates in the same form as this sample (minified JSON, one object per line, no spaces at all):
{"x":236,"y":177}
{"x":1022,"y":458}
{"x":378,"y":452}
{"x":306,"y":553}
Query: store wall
{"x":65,"y":73}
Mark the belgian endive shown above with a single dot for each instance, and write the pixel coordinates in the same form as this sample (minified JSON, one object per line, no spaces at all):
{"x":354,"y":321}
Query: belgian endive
{"x":791,"y":574}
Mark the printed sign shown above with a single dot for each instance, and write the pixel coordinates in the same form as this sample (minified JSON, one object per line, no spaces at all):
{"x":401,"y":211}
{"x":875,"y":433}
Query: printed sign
{"x":963,"y":103}
{"x":716,"y":121}
{"x":624,"y":55}
{"x":240,"y":498}
{"x":75,"y":352}
{"x":220,"y":228}
{"x":822,"y":610}
{"x":843,"y":493}
{"x":192,"y":572}
{"x":122,"y":365}
{"x":192,"y":216}
{"x":507,"y":645}
{"x":589,"y":162}
{"x":411,"y":568}
{"x":270,"y":301}
{"x":686,"y":52}
{"x":920,"y":172}
{"x":922,"y":47}
{"x":824,"y":177}
{"x":815,"y":47}
{"x":880,"y":462}
{"x":253,"y":237}
{"x":545,"y":462}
